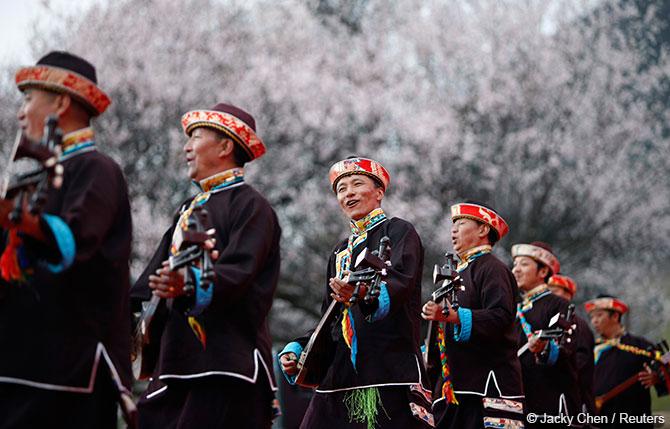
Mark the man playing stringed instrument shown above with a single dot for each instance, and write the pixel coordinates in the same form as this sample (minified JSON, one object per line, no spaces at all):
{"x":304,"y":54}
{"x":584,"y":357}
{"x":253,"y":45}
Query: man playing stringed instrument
{"x":480,"y":383}
{"x":375,"y":375}
{"x":620,"y":357}
{"x":548,"y":367}
{"x":214,"y":366}
{"x":566,"y":288}
{"x":64,"y":314}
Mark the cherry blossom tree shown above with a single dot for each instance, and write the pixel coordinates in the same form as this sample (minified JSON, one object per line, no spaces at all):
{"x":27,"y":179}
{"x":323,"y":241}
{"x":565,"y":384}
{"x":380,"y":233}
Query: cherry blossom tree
{"x":551,"y":112}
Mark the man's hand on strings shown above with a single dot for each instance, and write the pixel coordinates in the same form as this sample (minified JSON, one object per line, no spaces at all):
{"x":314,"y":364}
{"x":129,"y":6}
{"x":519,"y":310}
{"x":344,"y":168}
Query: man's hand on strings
{"x":647,"y":377}
{"x":166,"y":283}
{"x":289,"y":363}
{"x":535,"y":344}
{"x":342,"y":291}
{"x":434,"y":311}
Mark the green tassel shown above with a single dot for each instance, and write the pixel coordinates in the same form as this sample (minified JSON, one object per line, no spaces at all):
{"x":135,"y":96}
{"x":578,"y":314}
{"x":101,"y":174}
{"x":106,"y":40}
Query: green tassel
{"x":363,"y":406}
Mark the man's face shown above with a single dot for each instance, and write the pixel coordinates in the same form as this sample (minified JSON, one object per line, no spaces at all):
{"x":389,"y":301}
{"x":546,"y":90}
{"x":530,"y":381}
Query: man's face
{"x":466,"y":234}
{"x":358,"y":195}
{"x":603,"y":322}
{"x":36,"y":106}
{"x":527,"y":274}
{"x":559,"y":291}
{"x":203,"y":153}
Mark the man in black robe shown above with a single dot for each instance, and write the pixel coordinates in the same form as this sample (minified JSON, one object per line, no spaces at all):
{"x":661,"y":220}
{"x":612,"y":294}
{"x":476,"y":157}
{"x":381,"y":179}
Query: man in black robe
{"x":565,"y":287}
{"x":480,"y":384}
{"x":620,"y":357}
{"x":376,"y":360}
{"x":549,"y":369}
{"x":64,"y":289}
{"x":214,"y":368}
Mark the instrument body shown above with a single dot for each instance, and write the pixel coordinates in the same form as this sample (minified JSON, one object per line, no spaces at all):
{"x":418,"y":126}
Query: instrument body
{"x":32,"y":186}
{"x":192,"y":253}
{"x":317,"y":355}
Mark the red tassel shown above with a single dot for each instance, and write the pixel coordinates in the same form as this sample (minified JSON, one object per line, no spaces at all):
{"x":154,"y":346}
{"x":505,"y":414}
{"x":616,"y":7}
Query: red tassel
{"x":9,"y":262}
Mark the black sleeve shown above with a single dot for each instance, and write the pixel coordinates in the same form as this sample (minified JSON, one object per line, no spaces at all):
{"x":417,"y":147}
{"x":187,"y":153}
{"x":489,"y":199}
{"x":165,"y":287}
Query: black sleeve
{"x":92,"y":199}
{"x":252,"y":238}
{"x":498,"y":302}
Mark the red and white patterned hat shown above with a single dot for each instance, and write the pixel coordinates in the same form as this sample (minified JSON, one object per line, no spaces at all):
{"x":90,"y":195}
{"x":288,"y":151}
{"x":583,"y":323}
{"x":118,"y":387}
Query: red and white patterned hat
{"x":606,"y":303}
{"x":356,"y":165}
{"x":482,"y":214}
{"x":234,"y":122}
{"x":62,"y":72}
{"x":539,"y":254}
{"x":564,"y":282}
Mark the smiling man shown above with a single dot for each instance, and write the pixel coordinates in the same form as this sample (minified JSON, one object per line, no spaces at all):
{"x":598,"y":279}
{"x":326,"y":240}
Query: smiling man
{"x":549,"y":371}
{"x":481,"y":376}
{"x":215,"y":368}
{"x":374,"y":379}
{"x":64,"y":309}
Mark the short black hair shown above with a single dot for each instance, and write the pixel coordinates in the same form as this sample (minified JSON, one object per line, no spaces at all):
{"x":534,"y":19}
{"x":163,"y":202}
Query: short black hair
{"x":240,"y":156}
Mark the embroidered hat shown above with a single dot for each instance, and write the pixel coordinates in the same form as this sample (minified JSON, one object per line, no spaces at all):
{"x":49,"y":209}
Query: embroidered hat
{"x":62,"y":72}
{"x":357,"y":165}
{"x":606,"y":303}
{"x":482,"y":214}
{"x":537,"y":251}
{"x":564,"y":282}
{"x":234,"y":122}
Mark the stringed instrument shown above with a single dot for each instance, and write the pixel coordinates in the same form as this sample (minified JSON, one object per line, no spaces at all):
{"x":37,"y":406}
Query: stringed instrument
{"x":191,"y":245}
{"x":661,"y":366}
{"x":317,"y":355}
{"x":34,"y":184}
{"x":450,"y":282}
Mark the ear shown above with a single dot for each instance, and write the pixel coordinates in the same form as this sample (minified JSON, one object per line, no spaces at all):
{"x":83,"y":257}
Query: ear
{"x":543,"y":272}
{"x":227,"y":146}
{"x":380,"y":195}
{"x":63,"y":102}
{"x":483,"y":230}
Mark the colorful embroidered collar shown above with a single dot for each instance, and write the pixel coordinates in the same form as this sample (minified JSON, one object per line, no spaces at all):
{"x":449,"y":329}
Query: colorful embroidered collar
{"x":535,"y":294}
{"x":222,"y":180}
{"x":603,"y":345}
{"x":78,"y":142}
{"x":371,"y":220}
{"x":472,"y":254}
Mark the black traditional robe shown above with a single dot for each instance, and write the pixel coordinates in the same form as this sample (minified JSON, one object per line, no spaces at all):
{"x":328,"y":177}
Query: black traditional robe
{"x":615,"y":366}
{"x":585,"y":368}
{"x":551,"y":387}
{"x":483,"y":363}
{"x":238,"y":342}
{"x":71,"y":318}
{"x":388,"y":349}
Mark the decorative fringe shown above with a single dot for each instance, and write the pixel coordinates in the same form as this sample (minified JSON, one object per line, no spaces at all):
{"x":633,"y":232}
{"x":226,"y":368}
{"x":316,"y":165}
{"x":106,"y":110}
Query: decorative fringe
{"x":447,"y":386}
{"x":363,"y":406}
{"x":10,"y":261}
{"x":198,"y":330}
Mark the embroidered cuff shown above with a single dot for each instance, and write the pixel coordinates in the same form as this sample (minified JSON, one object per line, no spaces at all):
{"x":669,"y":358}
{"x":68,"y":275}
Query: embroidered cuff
{"x":553,"y":353}
{"x":292,"y":347}
{"x":384,"y":307}
{"x":462,"y":332}
{"x":64,"y":240}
